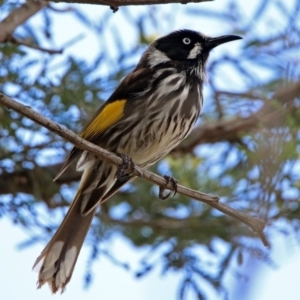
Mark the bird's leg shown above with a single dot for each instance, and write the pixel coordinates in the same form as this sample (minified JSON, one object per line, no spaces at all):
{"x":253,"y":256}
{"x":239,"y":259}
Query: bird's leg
{"x":126,"y":169}
{"x":171,"y":180}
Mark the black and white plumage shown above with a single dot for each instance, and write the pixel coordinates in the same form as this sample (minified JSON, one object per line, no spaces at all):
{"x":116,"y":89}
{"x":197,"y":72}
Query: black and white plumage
{"x":152,"y":110}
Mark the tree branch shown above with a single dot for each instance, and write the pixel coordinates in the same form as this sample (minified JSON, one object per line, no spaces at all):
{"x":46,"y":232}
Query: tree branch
{"x":222,"y":130}
{"x":18,"y":17}
{"x":115,"y":4}
{"x":19,"y":42}
{"x":255,"y":224}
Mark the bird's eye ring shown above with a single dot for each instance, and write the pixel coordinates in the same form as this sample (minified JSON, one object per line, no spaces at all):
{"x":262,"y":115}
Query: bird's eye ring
{"x":186,"y":41}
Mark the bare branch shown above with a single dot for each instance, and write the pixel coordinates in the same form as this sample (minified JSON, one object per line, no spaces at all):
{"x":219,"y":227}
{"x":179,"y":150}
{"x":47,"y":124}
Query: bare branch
{"x":114,"y":4}
{"x":100,"y":152}
{"x":18,"y":17}
{"x":222,"y":130}
{"x":16,"y":41}
{"x":255,"y":224}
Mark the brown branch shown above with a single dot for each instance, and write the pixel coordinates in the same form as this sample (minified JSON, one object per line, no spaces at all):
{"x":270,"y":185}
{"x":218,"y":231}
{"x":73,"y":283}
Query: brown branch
{"x":18,"y":17}
{"x":19,"y":42}
{"x":226,"y":130}
{"x":26,"y":181}
{"x":100,"y":152}
{"x":169,"y":223}
{"x":255,"y":224}
{"x":114,"y":4}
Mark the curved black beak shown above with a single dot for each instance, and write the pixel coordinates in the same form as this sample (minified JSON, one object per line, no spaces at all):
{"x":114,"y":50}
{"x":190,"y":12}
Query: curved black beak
{"x":214,"y":42}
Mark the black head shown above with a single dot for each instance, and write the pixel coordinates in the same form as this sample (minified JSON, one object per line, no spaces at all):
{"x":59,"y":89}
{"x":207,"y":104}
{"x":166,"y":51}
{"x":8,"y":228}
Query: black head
{"x":185,"y":45}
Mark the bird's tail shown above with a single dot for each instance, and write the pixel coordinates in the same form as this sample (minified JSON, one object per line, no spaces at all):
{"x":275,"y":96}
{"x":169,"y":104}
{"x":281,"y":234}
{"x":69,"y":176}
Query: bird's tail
{"x":57,"y":261}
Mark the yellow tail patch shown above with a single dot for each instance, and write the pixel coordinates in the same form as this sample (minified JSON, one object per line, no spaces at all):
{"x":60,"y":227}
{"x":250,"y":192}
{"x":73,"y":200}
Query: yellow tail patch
{"x":108,"y":116}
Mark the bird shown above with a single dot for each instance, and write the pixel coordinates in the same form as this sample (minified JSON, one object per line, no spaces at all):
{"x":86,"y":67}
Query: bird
{"x":150,"y":112}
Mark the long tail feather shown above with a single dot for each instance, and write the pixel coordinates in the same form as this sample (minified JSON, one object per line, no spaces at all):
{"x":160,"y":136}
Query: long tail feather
{"x":59,"y":257}
{"x":57,"y":261}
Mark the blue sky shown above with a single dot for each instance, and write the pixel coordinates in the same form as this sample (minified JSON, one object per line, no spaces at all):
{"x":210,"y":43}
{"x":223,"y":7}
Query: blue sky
{"x":111,"y":282}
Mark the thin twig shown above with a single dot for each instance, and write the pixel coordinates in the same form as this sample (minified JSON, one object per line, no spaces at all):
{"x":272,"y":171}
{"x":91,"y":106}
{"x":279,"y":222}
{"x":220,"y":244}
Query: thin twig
{"x":255,"y":224}
{"x":116,"y":3}
{"x":16,"y":41}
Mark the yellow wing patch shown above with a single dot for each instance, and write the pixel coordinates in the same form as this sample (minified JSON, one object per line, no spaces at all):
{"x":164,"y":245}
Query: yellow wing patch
{"x":110,"y":114}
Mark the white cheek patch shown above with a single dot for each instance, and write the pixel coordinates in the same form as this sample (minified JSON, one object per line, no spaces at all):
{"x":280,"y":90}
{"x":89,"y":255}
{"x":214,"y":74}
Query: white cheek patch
{"x":195,"y":51}
{"x":157,"y":57}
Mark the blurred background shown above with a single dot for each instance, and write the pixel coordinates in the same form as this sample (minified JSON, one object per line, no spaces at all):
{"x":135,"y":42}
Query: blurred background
{"x":245,"y":149}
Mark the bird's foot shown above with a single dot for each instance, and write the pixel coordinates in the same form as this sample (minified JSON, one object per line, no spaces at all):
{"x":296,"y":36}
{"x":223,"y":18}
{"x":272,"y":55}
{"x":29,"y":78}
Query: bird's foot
{"x":174,"y":183}
{"x":125,"y":170}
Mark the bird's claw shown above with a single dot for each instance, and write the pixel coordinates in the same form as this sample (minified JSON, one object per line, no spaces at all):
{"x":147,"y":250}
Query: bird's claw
{"x":174,"y":183}
{"x":125,"y":170}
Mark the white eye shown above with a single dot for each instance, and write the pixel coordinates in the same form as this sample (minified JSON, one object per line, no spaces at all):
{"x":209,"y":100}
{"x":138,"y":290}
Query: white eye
{"x":186,"y":41}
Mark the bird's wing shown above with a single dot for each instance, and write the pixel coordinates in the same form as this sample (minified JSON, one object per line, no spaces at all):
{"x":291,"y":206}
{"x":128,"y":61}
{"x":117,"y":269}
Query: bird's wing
{"x":112,"y":110}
